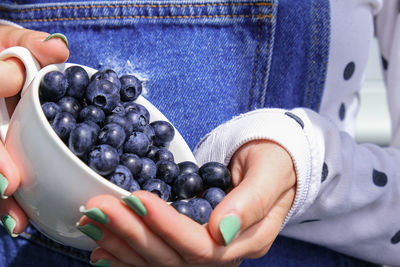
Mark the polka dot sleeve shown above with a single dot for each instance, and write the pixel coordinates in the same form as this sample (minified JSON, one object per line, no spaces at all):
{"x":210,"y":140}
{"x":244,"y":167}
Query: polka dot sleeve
{"x":348,"y":194}
{"x":353,"y":200}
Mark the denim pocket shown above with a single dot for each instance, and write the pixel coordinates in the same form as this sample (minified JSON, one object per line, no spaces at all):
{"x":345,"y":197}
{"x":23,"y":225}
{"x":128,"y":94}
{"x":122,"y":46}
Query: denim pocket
{"x":202,"y":61}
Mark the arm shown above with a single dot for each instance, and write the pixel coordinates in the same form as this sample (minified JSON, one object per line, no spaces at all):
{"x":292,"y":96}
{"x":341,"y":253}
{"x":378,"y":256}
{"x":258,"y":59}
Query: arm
{"x":351,"y":191}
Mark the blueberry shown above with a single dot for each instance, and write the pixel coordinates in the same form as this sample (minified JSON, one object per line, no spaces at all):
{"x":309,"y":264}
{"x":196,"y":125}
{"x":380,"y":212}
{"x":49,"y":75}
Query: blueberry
{"x":164,"y":132}
{"x":148,"y":171}
{"x":137,"y":143}
{"x":187,"y":185}
{"x":188,"y":167}
{"x":121,"y":120}
{"x":108,"y":75}
{"x":215,"y":174}
{"x":201,"y":210}
{"x":82,"y":138}
{"x":78,"y":80}
{"x":95,"y":127}
{"x":214,"y":195}
{"x":149,"y":131}
{"x":53,"y":86}
{"x":119,"y":109}
{"x":167,"y":171}
{"x":134,"y":186}
{"x":112,"y":134}
{"x":133,"y":106}
{"x":158,"y":187}
{"x":122,"y":177}
{"x":151,"y":154}
{"x":92,"y":113}
{"x":103,"y":94}
{"x":164,"y":154}
{"x":62,"y":124}
{"x":103,"y":159}
{"x":50,"y":110}
{"x":183,"y":207}
{"x":131,"y":87}
{"x":71,"y":105}
{"x":133,"y":162}
{"x":137,"y":120}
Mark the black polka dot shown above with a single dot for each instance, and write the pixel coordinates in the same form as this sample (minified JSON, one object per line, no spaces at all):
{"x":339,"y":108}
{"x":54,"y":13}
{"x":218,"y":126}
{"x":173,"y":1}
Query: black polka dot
{"x":385,"y":63}
{"x":342,"y":111}
{"x":349,"y":70}
{"x":324,"y":173}
{"x":379,"y":178}
{"x":396,"y":238}
{"x":309,"y":221}
{"x":296,"y":118}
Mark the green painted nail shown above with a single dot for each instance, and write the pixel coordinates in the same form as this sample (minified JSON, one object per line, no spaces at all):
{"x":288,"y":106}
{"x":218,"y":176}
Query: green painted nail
{"x":101,"y":263}
{"x":3,"y":186}
{"x":9,"y":224}
{"x":229,"y":227}
{"x":95,"y":214}
{"x":57,"y":35}
{"x":135,"y":204}
{"x":91,"y":231}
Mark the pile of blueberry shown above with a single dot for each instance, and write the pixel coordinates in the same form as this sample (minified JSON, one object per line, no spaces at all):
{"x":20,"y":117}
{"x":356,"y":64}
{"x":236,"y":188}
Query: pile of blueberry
{"x":98,"y":119}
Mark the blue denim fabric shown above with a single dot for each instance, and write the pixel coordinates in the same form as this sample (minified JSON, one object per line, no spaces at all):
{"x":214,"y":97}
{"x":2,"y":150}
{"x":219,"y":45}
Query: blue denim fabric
{"x":202,"y":63}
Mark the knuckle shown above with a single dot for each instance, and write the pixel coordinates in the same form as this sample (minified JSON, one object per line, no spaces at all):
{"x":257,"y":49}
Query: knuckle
{"x":260,"y":252}
{"x":258,"y":202}
{"x":199,"y":257}
{"x":101,"y":201}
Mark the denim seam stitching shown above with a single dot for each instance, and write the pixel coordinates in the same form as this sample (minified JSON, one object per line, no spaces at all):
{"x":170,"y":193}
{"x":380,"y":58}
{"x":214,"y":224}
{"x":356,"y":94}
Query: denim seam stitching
{"x":325,"y":60}
{"x":268,"y":64}
{"x":253,"y":79}
{"x":314,"y":42}
{"x":143,"y":17}
{"x":138,"y":6}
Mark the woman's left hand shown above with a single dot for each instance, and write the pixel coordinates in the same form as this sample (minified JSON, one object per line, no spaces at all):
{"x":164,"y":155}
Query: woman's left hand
{"x":243,"y":225}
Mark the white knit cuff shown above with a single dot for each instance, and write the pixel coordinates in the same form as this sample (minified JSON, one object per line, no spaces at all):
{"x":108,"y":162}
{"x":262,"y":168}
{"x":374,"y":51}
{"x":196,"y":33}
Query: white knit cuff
{"x":278,"y":125}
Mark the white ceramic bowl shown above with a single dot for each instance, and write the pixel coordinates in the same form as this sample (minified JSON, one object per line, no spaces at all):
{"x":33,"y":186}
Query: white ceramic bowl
{"x":55,"y":183}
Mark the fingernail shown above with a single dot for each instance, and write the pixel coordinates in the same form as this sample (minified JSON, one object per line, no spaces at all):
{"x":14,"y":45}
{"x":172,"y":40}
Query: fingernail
{"x":95,"y":214}
{"x":229,"y":227}
{"x":91,"y":231}
{"x":59,"y":36}
{"x":9,"y":224}
{"x":101,"y":263}
{"x":135,"y":204}
{"x":3,"y":186}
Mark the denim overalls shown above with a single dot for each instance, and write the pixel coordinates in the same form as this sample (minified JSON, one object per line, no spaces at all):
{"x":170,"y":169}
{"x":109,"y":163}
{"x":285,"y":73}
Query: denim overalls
{"x":202,"y":62}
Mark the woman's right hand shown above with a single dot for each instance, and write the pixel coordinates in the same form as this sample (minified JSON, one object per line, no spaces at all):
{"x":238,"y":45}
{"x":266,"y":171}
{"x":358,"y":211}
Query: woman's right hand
{"x":12,"y":75}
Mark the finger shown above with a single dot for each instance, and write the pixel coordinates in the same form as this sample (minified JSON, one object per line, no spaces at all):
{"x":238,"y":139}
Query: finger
{"x":130,"y":227}
{"x":12,"y":73}
{"x":9,"y":175}
{"x":110,"y":242}
{"x":101,"y":257}
{"x":263,"y":171}
{"x":47,"y":52}
{"x":190,"y":239}
{"x":256,"y":240}
{"x":13,"y":217}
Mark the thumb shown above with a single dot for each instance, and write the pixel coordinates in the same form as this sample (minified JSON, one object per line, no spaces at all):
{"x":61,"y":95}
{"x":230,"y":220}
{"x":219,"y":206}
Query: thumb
{"x":262,"y":171}
{"x":46,"y":48}
{"x":9,"y":174}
